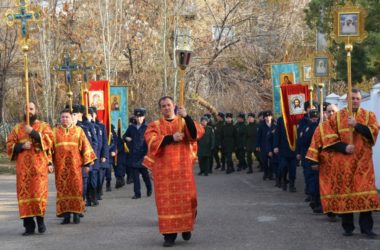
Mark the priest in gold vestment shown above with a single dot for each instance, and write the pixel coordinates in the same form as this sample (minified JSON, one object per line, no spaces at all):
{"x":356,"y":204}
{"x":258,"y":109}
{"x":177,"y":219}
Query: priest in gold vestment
{"x":350,"y":186}
{"x":29,"y":145}
{"x":172,"y":151}
{"x":71,"y":151}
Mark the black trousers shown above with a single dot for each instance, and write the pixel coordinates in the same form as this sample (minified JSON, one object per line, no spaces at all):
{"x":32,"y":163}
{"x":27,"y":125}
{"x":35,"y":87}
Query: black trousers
{"x":219,"y":160}
{"x":365,"y":222}
{"x":29,"y":224}
{"x":240,"y":155}
{"x":136,"y":180}
{"x":204,"y":164}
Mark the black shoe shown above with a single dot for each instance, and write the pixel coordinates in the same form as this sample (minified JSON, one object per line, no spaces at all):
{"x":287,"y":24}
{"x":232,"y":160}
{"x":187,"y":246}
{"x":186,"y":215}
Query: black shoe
{"x":119,"y":181}
{"x":264,"y":178}
{"x":318,"y":210}
{"x":217,"y":167}
{"x":88,"y":203}
{"x":186,"y":236}
{"x":238,"y":169}
{"x":292,"y":188}
{"x":65,"y":221}
{"x":129,"y":181}
{"x":200,"y":173}
{"x":168,"y":243}
{"x":148,"y":193}
{"x":76,"y":218}
{"x":205,"y":174}
{"x":307,"y":199}
{"x":108,"y":186}
{"x":81,"y":215}
{"x":348,"y":233}
{"x":169,"y":239}
{"x":27,"y":233}
{"x":135,"y":197}
{"x":41,"y":225}
{"x":284,"y":186}
{"x":369,"y":234}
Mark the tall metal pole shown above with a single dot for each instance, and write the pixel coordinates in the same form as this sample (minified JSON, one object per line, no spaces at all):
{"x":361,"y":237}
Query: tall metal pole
{"x":321,"y":86}
{"x":349,"y":48}
{"x":181,"y":101}
{"x":25,"y":49}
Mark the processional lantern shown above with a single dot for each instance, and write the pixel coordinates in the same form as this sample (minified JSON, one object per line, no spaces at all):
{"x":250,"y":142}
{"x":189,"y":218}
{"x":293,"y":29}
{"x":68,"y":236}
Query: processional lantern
{"x":183,"y":57}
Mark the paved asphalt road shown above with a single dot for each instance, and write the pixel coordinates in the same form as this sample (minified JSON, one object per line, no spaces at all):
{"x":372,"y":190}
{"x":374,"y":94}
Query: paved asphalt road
{"x":236,"y":211}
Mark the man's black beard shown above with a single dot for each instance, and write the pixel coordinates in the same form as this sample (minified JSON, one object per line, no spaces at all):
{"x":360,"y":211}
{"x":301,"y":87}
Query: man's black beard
{"x":32,"y":118}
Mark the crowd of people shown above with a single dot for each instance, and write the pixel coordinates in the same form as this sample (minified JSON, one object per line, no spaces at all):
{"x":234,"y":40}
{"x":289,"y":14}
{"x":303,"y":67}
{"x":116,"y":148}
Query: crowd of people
{"x":335,"y":152}
{"x":338,"y":170}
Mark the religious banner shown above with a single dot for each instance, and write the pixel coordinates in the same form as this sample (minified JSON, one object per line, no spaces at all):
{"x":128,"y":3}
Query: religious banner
{"x":98,"y":96}
{"x":119,"y":106}
{"x":283,"y":74}
{"x":293,"y":98}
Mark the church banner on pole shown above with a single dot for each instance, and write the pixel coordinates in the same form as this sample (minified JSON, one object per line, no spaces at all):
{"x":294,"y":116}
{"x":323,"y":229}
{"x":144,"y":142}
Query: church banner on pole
{"x":119,"y":106}
{"x":98,"y":95}
{"x":283,"y":74}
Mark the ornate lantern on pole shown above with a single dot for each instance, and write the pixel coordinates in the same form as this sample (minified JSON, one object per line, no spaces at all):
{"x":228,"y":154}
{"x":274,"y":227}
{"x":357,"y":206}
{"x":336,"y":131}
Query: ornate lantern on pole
{"x":183,"y":56}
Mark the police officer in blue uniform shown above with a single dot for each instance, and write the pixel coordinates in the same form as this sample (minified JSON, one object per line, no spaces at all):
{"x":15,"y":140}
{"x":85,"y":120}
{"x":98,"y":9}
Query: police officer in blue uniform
{"x":138,"y":149}
{"x":311,"y":176}
{"x":103,"y":151}
{"x":274,"y":158}
{"x":288,"y":159}
{"x":112,"y":158}
{"x":80,"y":119}
{"x":263,"y":144}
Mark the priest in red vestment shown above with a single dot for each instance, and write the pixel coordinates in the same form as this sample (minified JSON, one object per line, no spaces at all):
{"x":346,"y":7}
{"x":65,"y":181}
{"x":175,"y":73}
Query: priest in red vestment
{"x":351,"y":186}
{"x":171,"y":155}
{"x":71,"y":151}
{"x":29,"y":145}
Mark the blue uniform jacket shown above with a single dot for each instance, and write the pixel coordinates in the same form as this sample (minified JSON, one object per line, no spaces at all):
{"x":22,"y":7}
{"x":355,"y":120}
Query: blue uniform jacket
{"x":275,"y":157}
{"x":90,"y":133}
{"x":304,"y":141}
{"x":263,"y":137}
{"x":112,"y":147}
{"x":137,"y":147}
{"x":300,"y":127}
{"x":103,"y":149}
{"x":281,"y":140}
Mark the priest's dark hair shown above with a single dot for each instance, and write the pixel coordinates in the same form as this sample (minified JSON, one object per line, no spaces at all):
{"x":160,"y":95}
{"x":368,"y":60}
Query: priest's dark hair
{"x":65,"y":111}
{"x":164,"y":98}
